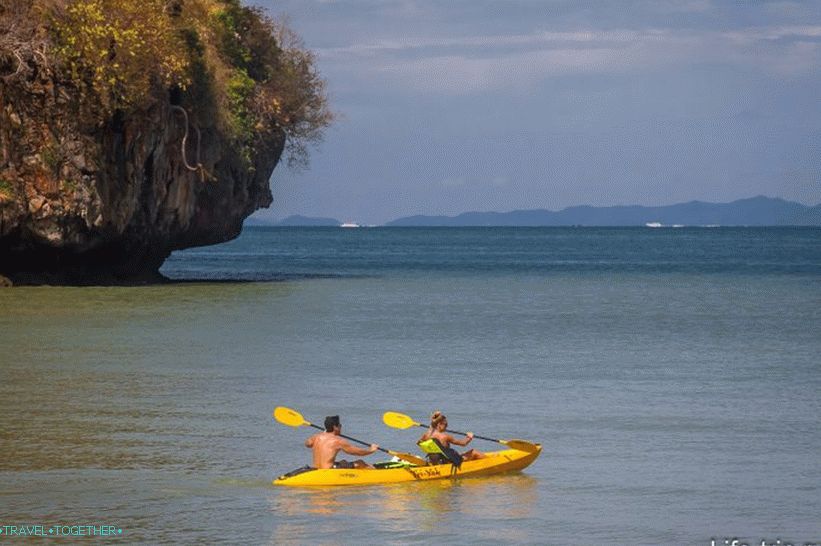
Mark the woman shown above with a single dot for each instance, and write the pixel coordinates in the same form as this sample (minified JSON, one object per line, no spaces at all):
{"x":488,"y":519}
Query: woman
{"x":438,"y":424}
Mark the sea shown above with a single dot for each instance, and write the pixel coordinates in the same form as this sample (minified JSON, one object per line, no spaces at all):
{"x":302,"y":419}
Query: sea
{"x":672,"y":376}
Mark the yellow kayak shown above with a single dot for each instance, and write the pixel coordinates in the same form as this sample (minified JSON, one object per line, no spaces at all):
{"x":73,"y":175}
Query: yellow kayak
{"x":496,"y":462}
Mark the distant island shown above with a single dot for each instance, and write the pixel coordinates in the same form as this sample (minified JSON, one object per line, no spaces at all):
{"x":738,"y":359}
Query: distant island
{"x":755,"y":211}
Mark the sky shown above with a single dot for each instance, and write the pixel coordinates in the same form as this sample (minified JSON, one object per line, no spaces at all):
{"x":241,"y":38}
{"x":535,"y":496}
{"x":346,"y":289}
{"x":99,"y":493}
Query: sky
{"x":448,"y":106}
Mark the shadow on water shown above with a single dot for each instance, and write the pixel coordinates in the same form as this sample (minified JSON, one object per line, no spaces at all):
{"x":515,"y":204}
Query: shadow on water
{"x":259,"y":277}
{"x":179,"y":278}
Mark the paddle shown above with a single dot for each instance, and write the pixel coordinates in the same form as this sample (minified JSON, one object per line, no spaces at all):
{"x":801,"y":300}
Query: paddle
{"x":293,"y":418}
{"x":400,"y":420}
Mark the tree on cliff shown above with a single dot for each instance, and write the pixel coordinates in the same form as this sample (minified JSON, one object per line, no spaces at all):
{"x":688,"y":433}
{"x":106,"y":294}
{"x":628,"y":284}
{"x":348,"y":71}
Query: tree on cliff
{"x":107,"y":105}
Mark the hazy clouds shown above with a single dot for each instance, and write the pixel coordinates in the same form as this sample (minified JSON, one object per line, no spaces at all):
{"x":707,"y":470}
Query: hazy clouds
{"x":450,"y":106}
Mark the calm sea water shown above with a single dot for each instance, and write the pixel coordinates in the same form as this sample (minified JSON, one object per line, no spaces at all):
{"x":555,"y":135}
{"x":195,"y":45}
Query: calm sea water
{"x":671,"y":374}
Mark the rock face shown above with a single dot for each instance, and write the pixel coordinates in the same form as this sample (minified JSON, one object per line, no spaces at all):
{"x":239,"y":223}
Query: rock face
{"x":90,"y":202}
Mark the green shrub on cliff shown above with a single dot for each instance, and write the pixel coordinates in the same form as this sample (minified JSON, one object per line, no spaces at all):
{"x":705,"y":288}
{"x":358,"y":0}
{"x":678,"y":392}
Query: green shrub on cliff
{"x":6,"y":190}
{"x":271,"y":82}
{"x":120,"y":48}
{"x":217,"y":56}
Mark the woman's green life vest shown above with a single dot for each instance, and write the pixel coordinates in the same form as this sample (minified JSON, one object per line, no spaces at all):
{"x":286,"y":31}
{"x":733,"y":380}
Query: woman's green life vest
{"x":433,"y":447}
{"x":430,"y":446}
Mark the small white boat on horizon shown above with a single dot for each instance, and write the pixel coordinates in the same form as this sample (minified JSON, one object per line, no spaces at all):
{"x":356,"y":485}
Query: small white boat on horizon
{"x":654,"y":224}
{"x":348,"y":225}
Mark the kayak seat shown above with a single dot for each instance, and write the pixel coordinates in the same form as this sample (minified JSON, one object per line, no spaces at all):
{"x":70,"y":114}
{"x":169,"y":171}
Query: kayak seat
{"x":296,"y":472}
{"x":436,"y":453}
{"x":392,"y":464}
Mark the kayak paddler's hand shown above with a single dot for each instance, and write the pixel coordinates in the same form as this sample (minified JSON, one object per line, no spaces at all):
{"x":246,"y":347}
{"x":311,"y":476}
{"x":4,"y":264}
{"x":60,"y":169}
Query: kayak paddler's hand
{"x":374,"y":448}
{"x":469,"y":436}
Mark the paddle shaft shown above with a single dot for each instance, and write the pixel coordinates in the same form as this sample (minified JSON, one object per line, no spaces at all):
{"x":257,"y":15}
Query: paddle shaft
{"x":465,"y":434}
{"x":352,"y":439}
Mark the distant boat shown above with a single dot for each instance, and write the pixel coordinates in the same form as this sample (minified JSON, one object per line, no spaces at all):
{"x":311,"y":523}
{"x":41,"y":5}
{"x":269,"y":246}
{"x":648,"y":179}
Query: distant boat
{"x":348,"y":225}
{"x":654,"y":224}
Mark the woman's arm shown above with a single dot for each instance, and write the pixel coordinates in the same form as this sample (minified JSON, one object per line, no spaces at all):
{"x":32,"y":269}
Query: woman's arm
{"x":462,"y":443}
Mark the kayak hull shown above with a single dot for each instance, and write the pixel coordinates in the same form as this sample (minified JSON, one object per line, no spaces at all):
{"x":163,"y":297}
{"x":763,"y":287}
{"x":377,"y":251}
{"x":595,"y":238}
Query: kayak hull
{"x":496,"y":462}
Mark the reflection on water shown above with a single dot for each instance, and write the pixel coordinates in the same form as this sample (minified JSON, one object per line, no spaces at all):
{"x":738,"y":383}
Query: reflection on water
{"x":408,"y":508}
{"x":78,"y":419}
{"x":122,"y":378}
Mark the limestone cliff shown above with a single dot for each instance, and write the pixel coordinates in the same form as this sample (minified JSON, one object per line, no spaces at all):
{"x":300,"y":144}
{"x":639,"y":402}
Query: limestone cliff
{"x":92,"y":193}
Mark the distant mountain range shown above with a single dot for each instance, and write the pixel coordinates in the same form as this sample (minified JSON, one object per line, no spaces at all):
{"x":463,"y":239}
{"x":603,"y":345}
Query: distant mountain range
{"x":756,"y":211}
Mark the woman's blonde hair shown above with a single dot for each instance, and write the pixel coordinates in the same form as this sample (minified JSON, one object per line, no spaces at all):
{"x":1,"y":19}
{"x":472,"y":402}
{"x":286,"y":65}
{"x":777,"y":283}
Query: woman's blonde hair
{"x":436,"y":418}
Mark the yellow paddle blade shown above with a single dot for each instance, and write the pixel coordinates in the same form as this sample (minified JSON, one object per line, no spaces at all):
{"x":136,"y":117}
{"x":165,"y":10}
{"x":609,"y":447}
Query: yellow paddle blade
{"x":289,"y":417}
{"x":522,"y":445}
{"x":398,"y":420}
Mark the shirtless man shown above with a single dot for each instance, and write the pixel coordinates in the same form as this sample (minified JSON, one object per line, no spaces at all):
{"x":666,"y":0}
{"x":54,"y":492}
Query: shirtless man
{"x":326,"y":445}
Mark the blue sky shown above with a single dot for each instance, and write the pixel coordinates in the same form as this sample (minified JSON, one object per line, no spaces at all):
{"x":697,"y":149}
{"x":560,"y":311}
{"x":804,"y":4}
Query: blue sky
{"x":459,"y":105}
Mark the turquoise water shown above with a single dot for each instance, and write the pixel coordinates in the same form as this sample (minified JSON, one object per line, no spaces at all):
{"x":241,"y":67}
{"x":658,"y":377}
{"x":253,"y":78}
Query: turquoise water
{"x":671,"y":375}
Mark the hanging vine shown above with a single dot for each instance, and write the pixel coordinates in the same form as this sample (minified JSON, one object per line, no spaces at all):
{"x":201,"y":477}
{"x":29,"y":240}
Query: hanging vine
{"x":199,"y":167}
